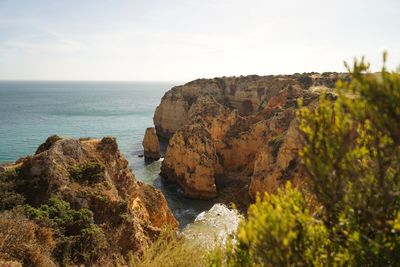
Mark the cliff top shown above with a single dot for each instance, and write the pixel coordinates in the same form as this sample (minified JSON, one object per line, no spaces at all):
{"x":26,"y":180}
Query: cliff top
{"x":84,"y":193}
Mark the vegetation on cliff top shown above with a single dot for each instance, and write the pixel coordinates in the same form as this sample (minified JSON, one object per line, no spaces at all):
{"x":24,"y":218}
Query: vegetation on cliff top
{"x":52,"y":232}
{"x":78,"y":237}
{"x":92,"y":172}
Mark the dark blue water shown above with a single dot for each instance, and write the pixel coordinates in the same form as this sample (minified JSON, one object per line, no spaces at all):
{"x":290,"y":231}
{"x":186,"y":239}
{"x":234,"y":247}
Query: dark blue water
{"x":32,"y":111}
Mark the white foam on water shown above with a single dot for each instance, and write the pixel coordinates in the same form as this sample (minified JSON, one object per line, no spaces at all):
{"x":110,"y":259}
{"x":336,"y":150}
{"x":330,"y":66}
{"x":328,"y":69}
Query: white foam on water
{"x":213,"y":227}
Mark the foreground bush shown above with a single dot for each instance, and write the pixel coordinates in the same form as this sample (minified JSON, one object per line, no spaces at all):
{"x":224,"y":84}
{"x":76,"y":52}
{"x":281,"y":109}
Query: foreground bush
{"x":351,"y":155}
{"x":279,"y":231}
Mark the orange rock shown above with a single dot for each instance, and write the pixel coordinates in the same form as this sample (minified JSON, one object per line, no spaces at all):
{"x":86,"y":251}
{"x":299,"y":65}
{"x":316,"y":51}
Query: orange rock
{"x":230,"y":127}
{"x":193,"y":148}
{"x":151,"y":144}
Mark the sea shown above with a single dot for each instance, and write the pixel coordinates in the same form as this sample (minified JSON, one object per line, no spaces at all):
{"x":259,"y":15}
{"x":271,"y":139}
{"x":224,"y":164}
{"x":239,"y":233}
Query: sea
{"x":30,"y":111}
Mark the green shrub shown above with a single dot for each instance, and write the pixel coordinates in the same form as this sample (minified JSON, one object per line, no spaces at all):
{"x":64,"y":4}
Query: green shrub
{"x":276,"y":143}
{"x":91,"y":243}
{"x":279,"y":231}
{"x":91,"y":172}
{"x":305,"y":80}
{"x":9,"y":198}
{"x":351,"y":154}
{"x":78,"y":237}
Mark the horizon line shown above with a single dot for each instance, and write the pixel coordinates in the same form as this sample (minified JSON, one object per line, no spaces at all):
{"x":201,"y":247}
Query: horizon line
{"x":166,"y":81}
{"x":89,"y":80}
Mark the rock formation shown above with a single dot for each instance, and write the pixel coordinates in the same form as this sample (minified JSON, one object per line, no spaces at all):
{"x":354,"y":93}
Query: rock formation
{"x":193,"y":149}
{"x":235,"y":134}
{"x":91,"y":174}
{"x":151,"y":145}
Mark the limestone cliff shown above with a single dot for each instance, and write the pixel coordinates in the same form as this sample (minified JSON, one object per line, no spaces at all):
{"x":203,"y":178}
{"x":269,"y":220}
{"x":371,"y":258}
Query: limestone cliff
{"x":247,"y":94}
{"x":235,"y":132}
{"x":92,"y":175}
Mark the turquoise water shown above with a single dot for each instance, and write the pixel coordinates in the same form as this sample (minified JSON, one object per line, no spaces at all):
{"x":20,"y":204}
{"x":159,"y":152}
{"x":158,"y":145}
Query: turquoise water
{"x":32,"y":111}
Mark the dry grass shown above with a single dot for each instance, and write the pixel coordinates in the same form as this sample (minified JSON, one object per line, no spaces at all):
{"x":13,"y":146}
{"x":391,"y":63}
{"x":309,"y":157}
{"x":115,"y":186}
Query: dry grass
{"x":24,"y":241}
{"x":169,"y":251}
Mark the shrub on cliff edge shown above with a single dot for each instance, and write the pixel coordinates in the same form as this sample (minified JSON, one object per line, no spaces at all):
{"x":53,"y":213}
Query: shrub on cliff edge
{"x":351,"y":154}
{"x":78,"y":238}
{"x":9,"y":198}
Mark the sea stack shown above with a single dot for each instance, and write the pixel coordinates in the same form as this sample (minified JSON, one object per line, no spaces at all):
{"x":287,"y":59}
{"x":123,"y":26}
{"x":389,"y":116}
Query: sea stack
{"x":151,"y":145}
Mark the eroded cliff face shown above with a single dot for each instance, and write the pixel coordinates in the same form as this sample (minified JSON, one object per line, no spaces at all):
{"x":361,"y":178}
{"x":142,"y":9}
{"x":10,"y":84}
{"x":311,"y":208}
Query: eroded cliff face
{"x":191,"y":161}
{"x":93,"y":174}
{"x":235,"y":134}
{"x":247,"y":94}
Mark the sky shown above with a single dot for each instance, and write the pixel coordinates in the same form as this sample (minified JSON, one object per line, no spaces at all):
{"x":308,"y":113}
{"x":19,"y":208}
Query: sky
{"x":181,"y":40}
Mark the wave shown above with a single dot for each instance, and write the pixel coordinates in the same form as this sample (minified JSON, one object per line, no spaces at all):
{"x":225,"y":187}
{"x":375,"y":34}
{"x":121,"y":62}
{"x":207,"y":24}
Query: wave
{"x":213,"y":227}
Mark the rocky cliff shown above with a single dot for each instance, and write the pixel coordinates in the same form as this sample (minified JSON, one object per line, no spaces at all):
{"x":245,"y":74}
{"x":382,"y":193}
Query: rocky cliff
{"x":85,"y":194}
{"x":232,"y":137}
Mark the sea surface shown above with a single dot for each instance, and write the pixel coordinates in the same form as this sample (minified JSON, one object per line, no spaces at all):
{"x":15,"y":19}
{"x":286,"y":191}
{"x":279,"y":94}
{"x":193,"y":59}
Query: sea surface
{"x":32,"y":111}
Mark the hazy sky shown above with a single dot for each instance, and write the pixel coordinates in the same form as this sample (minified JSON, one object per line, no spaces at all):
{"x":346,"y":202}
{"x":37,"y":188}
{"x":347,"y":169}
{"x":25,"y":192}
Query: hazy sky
{"x":188,"y":39}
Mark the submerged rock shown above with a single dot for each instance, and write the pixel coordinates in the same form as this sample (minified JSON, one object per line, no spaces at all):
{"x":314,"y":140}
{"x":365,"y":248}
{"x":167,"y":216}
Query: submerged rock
{"x":235,"y":133}
{"x":151,"y":144}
